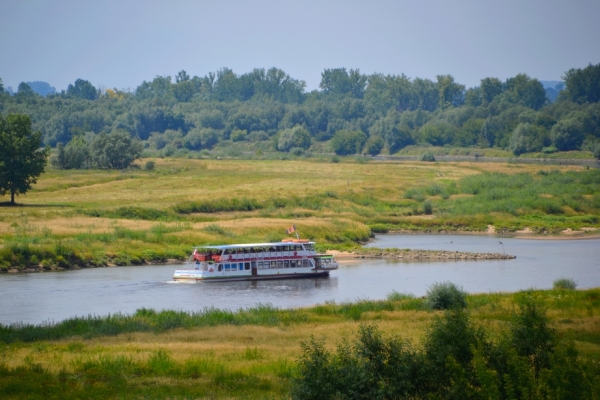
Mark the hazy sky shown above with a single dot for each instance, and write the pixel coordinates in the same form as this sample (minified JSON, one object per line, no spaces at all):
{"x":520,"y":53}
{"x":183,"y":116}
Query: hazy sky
{"x":120,"y":43}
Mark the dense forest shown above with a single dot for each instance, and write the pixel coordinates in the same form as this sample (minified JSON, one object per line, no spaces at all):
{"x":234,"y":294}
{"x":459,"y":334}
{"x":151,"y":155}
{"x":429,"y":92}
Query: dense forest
{"x":352,"y":113}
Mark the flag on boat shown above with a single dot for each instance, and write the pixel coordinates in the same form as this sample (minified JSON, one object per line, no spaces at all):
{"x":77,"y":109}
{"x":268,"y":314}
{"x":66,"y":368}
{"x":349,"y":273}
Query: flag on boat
{"x":291,"y":229}
{"x":195,"y":252}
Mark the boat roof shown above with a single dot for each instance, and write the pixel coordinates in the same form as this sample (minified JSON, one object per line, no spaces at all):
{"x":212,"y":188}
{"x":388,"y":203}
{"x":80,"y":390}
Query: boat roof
{"x":241,"y":246}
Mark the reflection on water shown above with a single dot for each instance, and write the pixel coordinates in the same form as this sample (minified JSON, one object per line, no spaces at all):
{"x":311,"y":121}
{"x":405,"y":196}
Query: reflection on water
{"x":39,"y":297}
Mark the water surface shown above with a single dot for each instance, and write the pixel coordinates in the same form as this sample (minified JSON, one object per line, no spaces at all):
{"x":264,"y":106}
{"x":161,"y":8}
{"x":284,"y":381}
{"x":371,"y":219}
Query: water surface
{"x":55,"y":296}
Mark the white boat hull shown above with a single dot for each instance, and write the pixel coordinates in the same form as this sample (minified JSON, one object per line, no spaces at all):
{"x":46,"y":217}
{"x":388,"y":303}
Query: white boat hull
{"x":217,"y":276}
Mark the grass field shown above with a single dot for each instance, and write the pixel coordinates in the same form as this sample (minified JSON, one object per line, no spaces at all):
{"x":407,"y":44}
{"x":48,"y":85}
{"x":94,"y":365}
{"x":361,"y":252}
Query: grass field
{"x":250,"y":353}
{"x":86,"y":218}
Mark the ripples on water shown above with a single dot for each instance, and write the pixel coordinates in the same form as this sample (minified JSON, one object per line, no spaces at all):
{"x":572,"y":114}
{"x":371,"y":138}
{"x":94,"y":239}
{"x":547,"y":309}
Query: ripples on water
{"x":54,"y":296}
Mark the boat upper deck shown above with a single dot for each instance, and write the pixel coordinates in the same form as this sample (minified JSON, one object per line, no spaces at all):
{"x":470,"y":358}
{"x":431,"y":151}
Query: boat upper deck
{"x":257,"y":245}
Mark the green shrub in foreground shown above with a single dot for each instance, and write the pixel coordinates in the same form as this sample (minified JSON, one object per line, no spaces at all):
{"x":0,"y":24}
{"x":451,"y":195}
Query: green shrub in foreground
{"x":458,"y":360}
{"x":446,"y":295}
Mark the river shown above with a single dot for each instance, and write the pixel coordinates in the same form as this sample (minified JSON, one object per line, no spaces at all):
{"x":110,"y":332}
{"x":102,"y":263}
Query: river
{"x":55,"y":296}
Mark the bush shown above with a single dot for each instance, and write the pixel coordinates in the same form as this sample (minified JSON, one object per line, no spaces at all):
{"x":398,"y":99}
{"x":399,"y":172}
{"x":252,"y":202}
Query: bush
{"x":427,"y":207}
{"x":458,"y":361}
{"x":446,"y":295}
{"x":596,"y":151}
{"x":295,"y":137}
{"x":428,"y":156}
{"x":374,"y":145}
{"x":565,"y":283}
{"x":297,"y":151}
{"x":348,"y":142}
{"x":149,"y":166}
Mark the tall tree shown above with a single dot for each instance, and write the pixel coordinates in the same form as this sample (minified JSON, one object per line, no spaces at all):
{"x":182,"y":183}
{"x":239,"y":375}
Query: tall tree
{"x":526,"y":91}
{"x":583,"y":85}
{"x":82,"y":89}
{"x":490,"y":88}
{"x":450,"y":92}
{"x":21,"y":159}
{"x":25,"y":91}
{"x":340,"y":81}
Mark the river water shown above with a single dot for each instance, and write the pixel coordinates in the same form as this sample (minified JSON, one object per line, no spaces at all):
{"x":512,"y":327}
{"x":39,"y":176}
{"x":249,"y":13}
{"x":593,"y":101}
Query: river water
{"x":55,"y":296}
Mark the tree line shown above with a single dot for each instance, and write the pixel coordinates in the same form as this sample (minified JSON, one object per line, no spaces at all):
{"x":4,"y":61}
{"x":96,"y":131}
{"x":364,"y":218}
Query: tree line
{"x":351,"y":113}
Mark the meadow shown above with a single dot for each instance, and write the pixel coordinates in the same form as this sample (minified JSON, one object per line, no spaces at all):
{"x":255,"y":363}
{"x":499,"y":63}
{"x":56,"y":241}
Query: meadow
{"x":250,"y":353}
{"x":78,"y":218}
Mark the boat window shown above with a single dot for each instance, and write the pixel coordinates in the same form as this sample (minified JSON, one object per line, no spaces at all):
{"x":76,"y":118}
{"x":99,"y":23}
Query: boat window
{"x":273,"y":264}
{"x":247,"y":266}
{"x":293,"y":263}
{"x":305,"y":263}
{"x":286,"y":264}
{"x":220,"y":267}
{"x":279,"y":264}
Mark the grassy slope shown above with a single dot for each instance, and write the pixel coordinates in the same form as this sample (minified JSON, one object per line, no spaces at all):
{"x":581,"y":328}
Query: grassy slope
{"x":251,"y":355}
{"x":100,"y":217}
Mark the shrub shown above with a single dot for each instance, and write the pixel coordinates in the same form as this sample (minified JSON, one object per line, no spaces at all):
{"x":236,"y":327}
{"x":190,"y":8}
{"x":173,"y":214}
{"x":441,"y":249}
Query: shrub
{"x":297,"y":151}
{"x":149,"y":166}
{"x":565,"y":283}
{"x":348,"y":142}
{"x":295,"y":137}
{"x":531,"y":334}
{"x":427,"y":207}
{"x":428,"y":156}
{"x":446,"y":295}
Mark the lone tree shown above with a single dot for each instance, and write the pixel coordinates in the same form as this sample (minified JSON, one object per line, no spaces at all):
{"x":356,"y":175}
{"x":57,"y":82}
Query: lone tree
{"x":21,"y":158}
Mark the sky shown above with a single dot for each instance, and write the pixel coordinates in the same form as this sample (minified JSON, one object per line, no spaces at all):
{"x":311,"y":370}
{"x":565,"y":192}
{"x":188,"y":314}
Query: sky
{"x":120,"y":43}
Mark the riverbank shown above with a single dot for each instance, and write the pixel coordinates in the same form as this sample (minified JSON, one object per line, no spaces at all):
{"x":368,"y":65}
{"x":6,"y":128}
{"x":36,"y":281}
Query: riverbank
{"x":250,"y":353}
{"x":86,"y":218}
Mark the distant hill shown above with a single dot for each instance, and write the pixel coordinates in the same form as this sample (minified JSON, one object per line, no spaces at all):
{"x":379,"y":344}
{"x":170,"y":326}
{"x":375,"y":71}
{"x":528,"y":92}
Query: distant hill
{"x":552,"y":89}
{"x":552,"y":84}
{"x":42,"y":88}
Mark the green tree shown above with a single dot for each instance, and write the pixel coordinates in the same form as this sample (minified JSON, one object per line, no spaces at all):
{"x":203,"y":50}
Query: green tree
{"x":490,"y":88}
{"x":75,"y":155}
{"x":21,"y":158}
{"x":342,"y":82}
{"x":582,"y":85}
{"x":238,"y":135}
{"x":116,"y":150}
{"x":348,"y":142}
{"x":527,"y":138}
{"x":82,"y":89}
{"x":596,"y":151}
{"x":526,"y":91}
{"x":184,"y":91}
{"x":374,"y":145}
{"x":25,"y":91}
{"x":182,"y":76}
{"x":395,"y":134}
{"x":569,"y":132}
{"x":450,"y":92}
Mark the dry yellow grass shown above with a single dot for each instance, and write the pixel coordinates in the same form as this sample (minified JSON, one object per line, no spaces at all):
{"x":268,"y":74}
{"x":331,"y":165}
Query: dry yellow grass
{"x":58,"y":194}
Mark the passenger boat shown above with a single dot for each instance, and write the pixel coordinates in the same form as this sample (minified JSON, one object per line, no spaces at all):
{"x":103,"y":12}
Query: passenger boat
{"x":291,"y":258}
